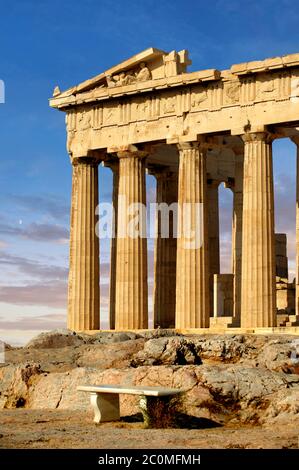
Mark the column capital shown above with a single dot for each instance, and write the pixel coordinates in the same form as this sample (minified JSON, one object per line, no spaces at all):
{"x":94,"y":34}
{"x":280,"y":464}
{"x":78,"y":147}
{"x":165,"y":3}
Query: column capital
{"x":128,"y":154}
{"x":261,"y":136}
{"x":88,"y":156}
{"x":87,"y":160}
{"x":130,"y":150}
{"x":254,"y":133}
{"x":188,"y":143}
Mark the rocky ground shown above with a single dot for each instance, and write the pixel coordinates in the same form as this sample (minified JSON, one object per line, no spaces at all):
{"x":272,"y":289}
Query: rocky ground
{"x":241,"y":391}
{"x":23,"y":428}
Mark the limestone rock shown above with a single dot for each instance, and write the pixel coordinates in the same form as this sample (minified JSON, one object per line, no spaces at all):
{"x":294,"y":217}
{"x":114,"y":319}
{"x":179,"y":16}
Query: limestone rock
{"x":113,"y":337}
{"x":115,"y":354}
{"x":221,"y":347}
{"x":98,"y":354}
{"x":256,"y":351}
{"x":69,"y":350}
{"x":61,"y":338}
{"x":221,"y":393}
{"x":284,"y":408}
{"x":241,"y":378}
{"x":159,"y":333}
{"x":279,"y":354}
{"x":167,"y":351}
{"x":15,"y":383}
{"x":60,"y":388}
{"x":244,"y":385}
{"x":55,"y":339}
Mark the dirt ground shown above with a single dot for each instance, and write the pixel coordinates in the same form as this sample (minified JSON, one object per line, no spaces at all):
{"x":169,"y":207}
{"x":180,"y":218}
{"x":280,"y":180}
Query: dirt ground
{"x":21,"y":428}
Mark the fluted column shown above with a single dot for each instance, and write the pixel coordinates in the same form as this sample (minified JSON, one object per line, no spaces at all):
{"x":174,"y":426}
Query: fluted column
{"x":213,"y":231}
{"x":114,"y":166}
{"x":237,"y":235}
{"x":131,"y":303}
{"x":165,"y":251}
{"x":258,"y":297}
{"x":83,"y":292}
{"x":296,"y":141}
{"x":192,"y":282}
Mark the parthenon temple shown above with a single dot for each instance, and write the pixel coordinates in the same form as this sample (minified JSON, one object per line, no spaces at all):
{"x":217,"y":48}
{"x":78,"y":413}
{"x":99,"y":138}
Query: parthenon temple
{"x":193,"y":131}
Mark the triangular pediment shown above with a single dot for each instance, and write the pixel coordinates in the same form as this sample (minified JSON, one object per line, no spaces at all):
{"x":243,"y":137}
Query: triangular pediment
{"x":147,"y":65}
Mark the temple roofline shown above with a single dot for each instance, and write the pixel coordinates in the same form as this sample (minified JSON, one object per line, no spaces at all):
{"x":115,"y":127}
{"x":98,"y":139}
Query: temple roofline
{"x":96,"y":89}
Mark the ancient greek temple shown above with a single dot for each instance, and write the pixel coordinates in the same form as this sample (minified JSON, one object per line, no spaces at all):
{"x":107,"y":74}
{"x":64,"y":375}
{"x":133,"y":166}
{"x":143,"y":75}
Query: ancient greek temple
{"x":193,"y":131}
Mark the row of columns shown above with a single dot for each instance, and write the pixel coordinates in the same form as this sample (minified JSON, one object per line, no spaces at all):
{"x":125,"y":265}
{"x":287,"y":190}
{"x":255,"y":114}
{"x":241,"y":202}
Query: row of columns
{"x":177,"y":266}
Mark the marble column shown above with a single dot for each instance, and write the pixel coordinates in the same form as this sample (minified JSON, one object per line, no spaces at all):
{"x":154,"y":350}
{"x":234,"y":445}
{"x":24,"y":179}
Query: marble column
{"x":131,"y":296}
{"x":192,"y":282}
{"x":83,"y":291}
{"x":258,"y":294}
{"x":213,"y":231}
{"x":114,"y":166}
{"x":165,"y":251}
{"x":296,"y":141}
{"x":237,"y":236}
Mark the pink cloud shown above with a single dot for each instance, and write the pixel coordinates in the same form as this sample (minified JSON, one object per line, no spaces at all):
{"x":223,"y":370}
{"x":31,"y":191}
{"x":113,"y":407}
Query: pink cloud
{"x":44,"y":322}
{"x":51,"y":294}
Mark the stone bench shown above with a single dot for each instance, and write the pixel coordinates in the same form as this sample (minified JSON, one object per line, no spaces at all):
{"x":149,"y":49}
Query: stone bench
{"x":154,"y":402}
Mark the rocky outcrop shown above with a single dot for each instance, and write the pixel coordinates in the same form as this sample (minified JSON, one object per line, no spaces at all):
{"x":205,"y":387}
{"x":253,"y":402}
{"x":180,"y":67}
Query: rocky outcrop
{"x":16,"y":383}
{"x":60,"y":359}
{"x":244,"y":386}
{"x":115,"y":354}
{"x":277,"y":353}
{"x":61,"y":338}
{"x":55,"y":339}
{"x":221,"y":393}
{"x":225,"y":378}
{"x":224,"y":348}
{"x":167,"y":351}
{"x":274,"y":353}
{"x":283,"y":408}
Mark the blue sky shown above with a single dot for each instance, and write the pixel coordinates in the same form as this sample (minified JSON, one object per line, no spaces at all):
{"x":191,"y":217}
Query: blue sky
{"x":50,"y":42}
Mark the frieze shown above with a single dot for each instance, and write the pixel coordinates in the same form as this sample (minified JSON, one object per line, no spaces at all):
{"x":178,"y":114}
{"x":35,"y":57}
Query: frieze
{"x":190,"y":101}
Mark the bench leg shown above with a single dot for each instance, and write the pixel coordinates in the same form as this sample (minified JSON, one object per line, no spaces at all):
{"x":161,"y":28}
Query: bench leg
{"x":105,"y":406}
{"x":156,"y":411}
